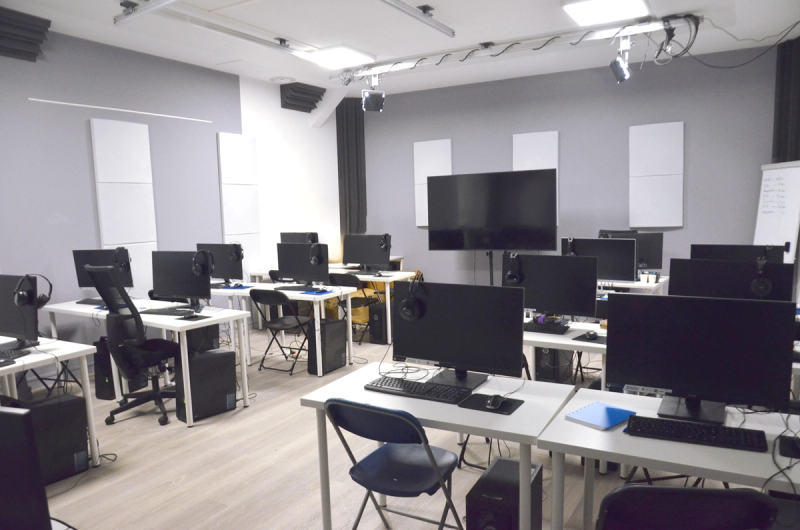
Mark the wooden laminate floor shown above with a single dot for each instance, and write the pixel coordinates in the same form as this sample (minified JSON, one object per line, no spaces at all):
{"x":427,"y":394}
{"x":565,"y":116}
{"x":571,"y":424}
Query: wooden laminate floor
{"x":257,"y":468}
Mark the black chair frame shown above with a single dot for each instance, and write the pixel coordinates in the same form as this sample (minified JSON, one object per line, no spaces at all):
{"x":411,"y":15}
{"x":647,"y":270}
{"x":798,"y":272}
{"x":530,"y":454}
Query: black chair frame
{"x":271,"y":298}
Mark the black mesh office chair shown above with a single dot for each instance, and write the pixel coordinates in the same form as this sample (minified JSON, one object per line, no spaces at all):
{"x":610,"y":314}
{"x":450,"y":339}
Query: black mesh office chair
{"x":269,"y":298}
{"x":351,"y":280}
{"x":133,"y":353}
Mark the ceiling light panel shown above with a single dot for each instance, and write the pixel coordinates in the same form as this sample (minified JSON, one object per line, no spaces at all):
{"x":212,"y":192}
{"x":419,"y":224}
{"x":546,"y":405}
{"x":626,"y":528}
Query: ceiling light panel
{"x":338,"y":57}
{"x":593,"y":12}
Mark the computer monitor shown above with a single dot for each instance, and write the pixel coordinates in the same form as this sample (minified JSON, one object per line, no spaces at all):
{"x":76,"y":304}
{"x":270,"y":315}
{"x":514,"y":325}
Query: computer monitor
{"x":21,"y":321}
{"x":22,"y":489}
{"x":466,"y":328}
{"x":303,"y":262}
{"x":616,"y":258}
{"x":649,"y":246}
{"x":706,"y":352}
{"x":751,"y":253}
{"x":182,"y":275}
{"x":557,"y":285}
{"x":118,"y":257}
{"x":227,"y":260}
{"x":299,"y":237}
{"x":731,"y":279}
{"x":371,"y":252}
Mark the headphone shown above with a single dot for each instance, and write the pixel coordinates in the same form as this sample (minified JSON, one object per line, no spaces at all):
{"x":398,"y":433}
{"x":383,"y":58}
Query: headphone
{"x":23,"y":298}
{"x":386,"y":242}
{"x":123,"y":264}
{"x":236,"y":253}
{"x":314,"y":254}
{"x":514,"y":274}
{"x":198,"y":269}
{"x":412,"y":308}
{"x":570,"y":252}
{"x":762,"y":285}
{"x":310,"y":238}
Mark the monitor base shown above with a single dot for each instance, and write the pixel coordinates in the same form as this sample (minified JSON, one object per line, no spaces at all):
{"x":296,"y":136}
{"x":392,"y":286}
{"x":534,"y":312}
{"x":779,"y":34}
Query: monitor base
{"x":692,"y":410}
{"x":460,"y":379}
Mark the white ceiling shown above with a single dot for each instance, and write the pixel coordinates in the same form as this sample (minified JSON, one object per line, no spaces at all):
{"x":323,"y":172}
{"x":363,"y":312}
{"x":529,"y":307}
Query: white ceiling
{"x":381,"y":30}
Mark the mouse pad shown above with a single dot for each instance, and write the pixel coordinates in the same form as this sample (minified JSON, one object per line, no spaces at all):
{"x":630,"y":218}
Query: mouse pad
{"x":601,"y":339}
{"x":236,"y":287}
{"x":478,"y":402}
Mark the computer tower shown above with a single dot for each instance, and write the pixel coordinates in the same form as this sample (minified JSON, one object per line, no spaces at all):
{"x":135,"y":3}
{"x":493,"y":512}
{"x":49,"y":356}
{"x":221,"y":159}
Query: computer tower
{"x":104,"y":377}
{"x":213,"y":384}
{"x":334,"y":345}
{"x":377,"y":322}
{"x":59,"y":425}
{"x":203,"y":339}
{"x":493,"y":502}
{"x":554,"y":366}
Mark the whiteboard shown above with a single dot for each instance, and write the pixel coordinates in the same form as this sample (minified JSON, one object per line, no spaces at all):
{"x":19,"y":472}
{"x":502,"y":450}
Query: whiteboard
{"x":778,"y":219}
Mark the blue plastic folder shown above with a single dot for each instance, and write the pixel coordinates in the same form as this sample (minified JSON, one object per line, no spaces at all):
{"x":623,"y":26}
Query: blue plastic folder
{"x":599,"y":415}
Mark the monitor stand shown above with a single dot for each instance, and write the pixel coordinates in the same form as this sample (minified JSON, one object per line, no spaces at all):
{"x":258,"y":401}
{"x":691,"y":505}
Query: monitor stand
{"x":460,"y":378}
{"x":23,"y":344}
{"x":195,"y":305}
{"x":692,"y":409}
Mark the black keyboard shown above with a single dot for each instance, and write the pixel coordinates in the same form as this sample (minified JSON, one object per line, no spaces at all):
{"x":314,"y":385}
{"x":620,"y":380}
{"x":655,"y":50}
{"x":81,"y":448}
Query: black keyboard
{"x":416,"y":389}
{"x":698,"y":433}
{"x":12,"y":355}
{"x":168,"y":311}
{"x":301,"y":288}
{"x":548,"y":327}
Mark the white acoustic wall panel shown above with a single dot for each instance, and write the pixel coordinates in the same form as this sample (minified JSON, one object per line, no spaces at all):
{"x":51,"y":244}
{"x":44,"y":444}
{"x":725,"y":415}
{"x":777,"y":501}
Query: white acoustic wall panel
{"x":125,"y":204}
{"x":237,"y":159}
{"x":656,"y":175}
{"x":537,"y":150}
{"x":240,"y":213}
{"x":433,"y":158}
{"x":239,"y":193}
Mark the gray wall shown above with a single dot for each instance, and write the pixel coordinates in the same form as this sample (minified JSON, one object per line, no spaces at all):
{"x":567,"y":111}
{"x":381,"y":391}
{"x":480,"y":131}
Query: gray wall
{"x":48,"y":197}
{"x":728,"y":117}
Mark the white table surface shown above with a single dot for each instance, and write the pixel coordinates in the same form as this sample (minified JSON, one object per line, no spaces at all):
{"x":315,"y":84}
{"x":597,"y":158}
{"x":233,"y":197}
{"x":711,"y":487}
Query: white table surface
{"x":542,"y":402}
{"x":654,"y":288}
{"x":169,"y":323}
{"x":51,"y":351}
{"x":728,"y":465}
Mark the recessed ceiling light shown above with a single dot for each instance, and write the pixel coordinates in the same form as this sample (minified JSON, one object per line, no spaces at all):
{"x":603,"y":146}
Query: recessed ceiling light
{"x":338,"y":57}
{"x":282,"y":80}
{"x":593,"y":12}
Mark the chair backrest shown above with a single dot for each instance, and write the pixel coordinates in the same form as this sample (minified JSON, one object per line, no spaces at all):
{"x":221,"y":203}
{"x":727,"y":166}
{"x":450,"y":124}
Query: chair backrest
{"x":274,"y":276}
{"x":269,"y":297}
{"x":344,"y":279}
{"x":639,"y":507}
{"x":375,"y":423}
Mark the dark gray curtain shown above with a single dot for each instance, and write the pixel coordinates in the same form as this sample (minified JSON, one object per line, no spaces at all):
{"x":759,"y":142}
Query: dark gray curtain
{"x":786,"y":136}
{"x":352,"y":166}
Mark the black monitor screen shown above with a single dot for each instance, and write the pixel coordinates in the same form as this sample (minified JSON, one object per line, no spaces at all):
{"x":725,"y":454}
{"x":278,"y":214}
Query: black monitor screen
{"x":616,"y":258}
{"x":731,"y":351}
{"x":18,"y":322}
{"x":729,"y":279}
{"x":649,"y":247}
{"x":294,"y":262}
{"x":560,"y":285}
{"x":774,"y":254}
{"x":101,"y":258}
{"x":22,"y":491}
{"x":299,"y":237}
{"x":466,"y":327}
{"x":511,"y":210}
{"x":227,"y":260}
{"x":369,"y":251}
{"x":173,"y":275}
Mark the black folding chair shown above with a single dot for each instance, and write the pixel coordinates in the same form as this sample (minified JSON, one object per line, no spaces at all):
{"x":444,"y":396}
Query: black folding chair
{"x":268,"y":298}
{"x":351,"y":280}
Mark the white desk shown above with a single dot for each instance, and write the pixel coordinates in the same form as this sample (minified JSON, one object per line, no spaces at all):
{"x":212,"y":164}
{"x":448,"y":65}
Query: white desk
{"x":386,"y":278}
{"x":659,"y":287}
{"x":317,"y":301}
{"x":565,"y":342}
{"x":542,"y":402}
{"x":51,"y":351}
{"x":168,"y":323}
{"x":728,"y":465}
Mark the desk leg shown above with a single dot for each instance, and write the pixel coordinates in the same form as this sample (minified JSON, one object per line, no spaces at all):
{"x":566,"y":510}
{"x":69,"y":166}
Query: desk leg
{"x":588,"y":494}
{"x":118,"y":388}
{"x":558,"y":491}
{"x":324,"y":476}
{"x":603,"y":467}
{"x":187,"y":378}
{"x":388,"y":313}
{"x":53,"y":329}
{"x":87,"y":397}
{"x":249,"y":306}
{"x":796,"y":386}
{"x":12,"y":386}
{"x":524,"y":487}
{"x":350,"y":330}
{"x":283,"y":334}
{"x":243,"y":361}
{"x":318,"y":336}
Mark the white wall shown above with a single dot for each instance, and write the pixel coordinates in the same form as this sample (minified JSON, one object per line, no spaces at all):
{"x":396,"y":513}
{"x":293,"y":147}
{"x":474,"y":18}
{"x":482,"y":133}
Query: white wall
{"x":297,"y":170}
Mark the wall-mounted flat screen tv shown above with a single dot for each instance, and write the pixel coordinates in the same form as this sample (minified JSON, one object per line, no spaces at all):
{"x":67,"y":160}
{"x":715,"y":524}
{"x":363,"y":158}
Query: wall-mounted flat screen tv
{"x":510,"y":210}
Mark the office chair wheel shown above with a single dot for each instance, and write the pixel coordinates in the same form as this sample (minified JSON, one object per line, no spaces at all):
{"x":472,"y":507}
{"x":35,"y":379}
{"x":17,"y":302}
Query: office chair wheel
{"x":110,"y":420}
{"x":163,"y":420}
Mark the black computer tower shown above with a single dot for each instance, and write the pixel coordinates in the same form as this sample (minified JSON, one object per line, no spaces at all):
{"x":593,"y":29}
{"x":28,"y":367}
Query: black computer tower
{"x":59,"y":424}
{"x":554,"y":366}
{"x":493,"y":502}
{"x":334,"y":345}
{"x":104,"y":377}
{"x":203,"y":339}
{"x":377,"y":322}
{"x":213,"y":384}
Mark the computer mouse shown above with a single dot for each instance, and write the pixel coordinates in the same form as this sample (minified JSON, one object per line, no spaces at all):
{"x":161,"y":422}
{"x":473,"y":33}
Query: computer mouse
{"x":591,"y":335}
{"x":495,"y":402}
{"x":237,"y":284}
